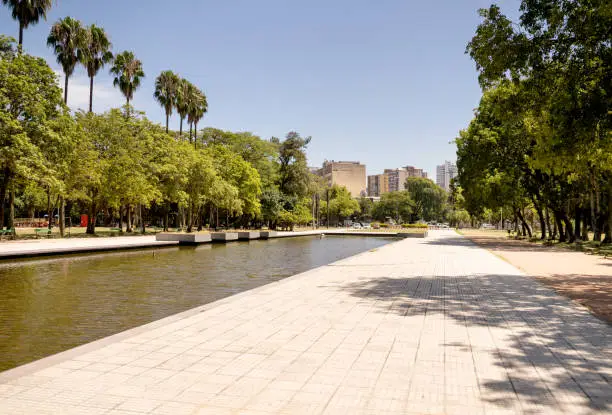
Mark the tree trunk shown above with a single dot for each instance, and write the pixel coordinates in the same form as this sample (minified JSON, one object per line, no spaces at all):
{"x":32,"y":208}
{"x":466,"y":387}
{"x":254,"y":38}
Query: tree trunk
{"x":91,"y":79}
{"x":526,"y":227}
{"x":181,"y":128}
{"x":608,"y":238}
{"x":91,"y":220}
{"x":578,"y":218}
{"x":121,"y":218}
{"x":538,"y":209}
{"x":11,"y":219}
{"x":144,"y":230}
{"x":66,"y":90}
{"x":585,"y":228}
{"x":190,"y":131}
{"x":550,"y":232}
{"x":195,"y":137}
{"x":49,"y":211}
{"x":559,"y":226}
{"x":128,"y":226}
{"x":167,"y":122}
{"x":62,"y":220}
{"x":20,"y":34}
{"x":569,"y":231}
{"x":3,"y":189}
{"x":190,"y":218}
{"x":127,"y":108}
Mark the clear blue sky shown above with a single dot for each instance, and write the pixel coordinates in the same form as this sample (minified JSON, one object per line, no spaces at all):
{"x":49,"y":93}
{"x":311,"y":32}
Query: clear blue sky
{"x":384,"y":82}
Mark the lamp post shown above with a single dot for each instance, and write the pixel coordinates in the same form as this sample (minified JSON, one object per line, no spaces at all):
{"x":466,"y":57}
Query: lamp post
{"x":327,"y":193}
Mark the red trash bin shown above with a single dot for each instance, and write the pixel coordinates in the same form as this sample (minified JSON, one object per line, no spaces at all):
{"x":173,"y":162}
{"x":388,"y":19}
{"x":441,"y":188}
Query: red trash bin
{"x":83,"y":221}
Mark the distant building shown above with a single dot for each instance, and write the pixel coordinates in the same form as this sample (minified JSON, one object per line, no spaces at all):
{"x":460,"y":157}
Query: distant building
{"x":378,"y":184}
{"x":350,"y":174}
{"x":397,"y":177}
{"x":414,"y":172}
{"x":445,"y":173}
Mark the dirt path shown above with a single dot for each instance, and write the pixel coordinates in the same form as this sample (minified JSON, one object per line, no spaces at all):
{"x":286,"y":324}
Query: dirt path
{"x":584,"y":278}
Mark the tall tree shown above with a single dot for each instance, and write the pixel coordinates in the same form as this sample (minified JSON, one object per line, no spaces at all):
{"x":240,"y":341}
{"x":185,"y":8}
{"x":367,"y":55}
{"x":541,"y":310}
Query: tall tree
{"x":294,"y":177}
{"x":94,"y":54}
{"x":166,"y":88}
{"x":28,"y":12}
{"x":184,"y":98}
{"x":428,"y":198}
{"x":67,"y":38}
{"x":197,"y":108}
{"x":128,"y":74}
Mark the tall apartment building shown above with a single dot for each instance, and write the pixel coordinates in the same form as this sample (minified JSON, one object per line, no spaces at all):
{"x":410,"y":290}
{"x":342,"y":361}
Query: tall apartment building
{"x":378,"y":184}
{"x":414,"y":172}
{"x":392,"y":180}
{"x":350,"y":174}
{"x":445,"y":173}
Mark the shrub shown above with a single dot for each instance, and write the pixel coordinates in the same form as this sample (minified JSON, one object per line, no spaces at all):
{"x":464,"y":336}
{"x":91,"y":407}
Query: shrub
{"x":375,"y":225}
{"x":384,"y":225}
{"x":414,"y":225}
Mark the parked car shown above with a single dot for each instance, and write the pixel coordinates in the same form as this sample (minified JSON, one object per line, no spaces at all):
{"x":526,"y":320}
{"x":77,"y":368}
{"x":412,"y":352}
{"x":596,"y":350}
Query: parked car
{"x":365,"y":226}
{"x":356,"y":225}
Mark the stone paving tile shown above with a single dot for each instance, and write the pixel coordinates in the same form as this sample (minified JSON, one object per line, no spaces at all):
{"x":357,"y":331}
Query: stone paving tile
{"x":433,"y":326}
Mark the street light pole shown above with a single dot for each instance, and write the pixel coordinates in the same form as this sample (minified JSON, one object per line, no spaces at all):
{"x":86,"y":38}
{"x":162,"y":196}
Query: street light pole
{"x":327,"y":193}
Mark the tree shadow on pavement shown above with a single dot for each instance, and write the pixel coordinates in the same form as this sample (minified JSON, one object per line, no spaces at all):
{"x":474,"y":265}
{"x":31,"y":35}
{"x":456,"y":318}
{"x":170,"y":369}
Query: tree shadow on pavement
{"x":553,"y":353}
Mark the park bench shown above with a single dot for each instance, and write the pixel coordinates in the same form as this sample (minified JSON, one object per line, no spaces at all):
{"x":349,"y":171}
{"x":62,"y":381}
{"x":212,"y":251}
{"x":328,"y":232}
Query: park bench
{"x":7,"y":232}
{"x":43,"y":232}
{"x":116,"y":230}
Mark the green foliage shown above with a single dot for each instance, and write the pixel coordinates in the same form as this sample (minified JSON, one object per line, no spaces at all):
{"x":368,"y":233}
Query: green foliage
{"x":293,"y":177}
{"x":27,"y":12}
{"x":540,"y":140}
{"x":414,"y":226}
{"x":261,"y":154}
{"x":395,"y":205}
{"x":166,"y":89}
{"x":341,"y":204}
{"x":67,"y":38}
{"x":128,"y":73}
{"x":94,"y":54}
{"x":428,"y":198}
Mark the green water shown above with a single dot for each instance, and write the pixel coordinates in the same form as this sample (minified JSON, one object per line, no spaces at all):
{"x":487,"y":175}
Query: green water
{"x":51,"y":305}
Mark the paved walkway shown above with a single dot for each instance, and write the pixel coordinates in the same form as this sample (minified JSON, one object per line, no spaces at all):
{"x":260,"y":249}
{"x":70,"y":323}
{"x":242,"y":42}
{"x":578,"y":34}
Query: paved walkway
{"x":433,"y":326}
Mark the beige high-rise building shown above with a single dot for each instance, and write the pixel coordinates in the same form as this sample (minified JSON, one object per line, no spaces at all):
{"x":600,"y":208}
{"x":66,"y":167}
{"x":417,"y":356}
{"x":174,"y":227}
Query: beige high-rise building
{"x":378,"y":184}
{"x":350,"y":174}
{"x":392,"y":180}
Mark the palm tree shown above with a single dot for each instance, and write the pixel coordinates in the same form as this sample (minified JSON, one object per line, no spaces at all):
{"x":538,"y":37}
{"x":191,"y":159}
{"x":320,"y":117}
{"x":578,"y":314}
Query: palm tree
{"x":128,"y":73}
{"x":94,"y":55}
{"x":197,"y":109}
{"x":67,"y":38}
{"x":28,"y":12}
{"x":184,"y":98}
{"x":166,"y":87}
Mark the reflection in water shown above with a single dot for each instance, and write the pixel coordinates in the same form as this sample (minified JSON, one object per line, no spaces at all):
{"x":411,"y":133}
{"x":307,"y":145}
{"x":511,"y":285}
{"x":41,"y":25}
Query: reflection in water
{"x":50,"y":305}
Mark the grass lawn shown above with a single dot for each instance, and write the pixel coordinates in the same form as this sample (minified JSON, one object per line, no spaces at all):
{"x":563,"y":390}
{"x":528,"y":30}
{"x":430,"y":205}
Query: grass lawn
{"x":74,"y":232}
{"x":590,"y":247}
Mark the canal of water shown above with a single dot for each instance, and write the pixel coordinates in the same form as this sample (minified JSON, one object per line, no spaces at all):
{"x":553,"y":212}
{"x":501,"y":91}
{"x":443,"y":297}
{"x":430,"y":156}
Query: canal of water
{"x":51,"y":305}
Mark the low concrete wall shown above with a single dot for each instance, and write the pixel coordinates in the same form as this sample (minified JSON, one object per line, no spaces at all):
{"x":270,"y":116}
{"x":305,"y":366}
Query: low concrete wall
{"x":224,"y":236}
{"x":247,"y":235}
{"x":268,"y":234}
{"x":185,"y":238}
{"x":412,"y":234}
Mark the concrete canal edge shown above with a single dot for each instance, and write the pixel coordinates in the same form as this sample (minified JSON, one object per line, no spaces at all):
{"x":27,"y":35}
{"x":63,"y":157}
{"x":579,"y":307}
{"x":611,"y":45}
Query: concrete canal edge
{"x":54,"y":247}
{"x":202,"y":238}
